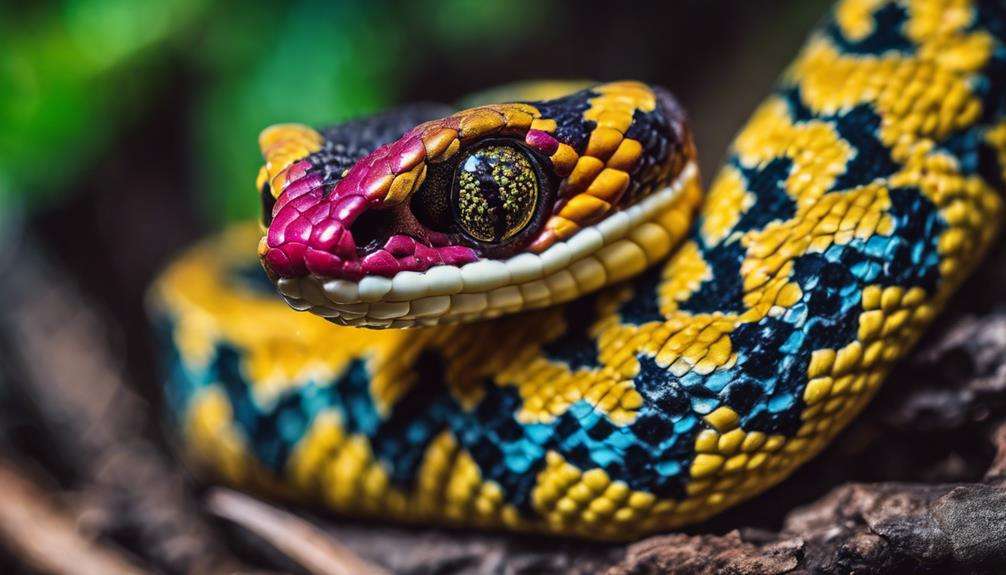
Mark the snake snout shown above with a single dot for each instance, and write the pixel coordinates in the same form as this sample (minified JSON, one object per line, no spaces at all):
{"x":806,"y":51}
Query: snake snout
{"x":349,"y":238}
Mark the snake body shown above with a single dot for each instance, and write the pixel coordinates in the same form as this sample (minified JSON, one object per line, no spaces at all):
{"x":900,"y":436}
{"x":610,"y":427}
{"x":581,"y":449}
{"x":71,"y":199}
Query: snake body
{"x":855,"y":200}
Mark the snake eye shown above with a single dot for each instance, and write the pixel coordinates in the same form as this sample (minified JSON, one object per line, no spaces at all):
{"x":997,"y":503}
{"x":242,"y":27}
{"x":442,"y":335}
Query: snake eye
{"x":496,"y":192}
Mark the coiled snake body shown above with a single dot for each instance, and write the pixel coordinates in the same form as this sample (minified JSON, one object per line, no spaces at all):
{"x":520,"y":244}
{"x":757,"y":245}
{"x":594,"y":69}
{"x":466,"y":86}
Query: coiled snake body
{"x":851,"y":205}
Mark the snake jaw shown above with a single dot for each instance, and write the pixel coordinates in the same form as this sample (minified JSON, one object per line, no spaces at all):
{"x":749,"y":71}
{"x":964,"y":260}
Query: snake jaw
{"x":351,"y":237}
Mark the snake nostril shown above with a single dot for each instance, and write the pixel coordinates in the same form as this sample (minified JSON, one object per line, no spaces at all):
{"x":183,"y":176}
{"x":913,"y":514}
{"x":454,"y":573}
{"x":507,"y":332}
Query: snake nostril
{"x":371,"y":228}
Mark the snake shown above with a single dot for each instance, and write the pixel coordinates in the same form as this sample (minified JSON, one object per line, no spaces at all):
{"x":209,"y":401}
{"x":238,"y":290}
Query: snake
{"x":530,"y":315}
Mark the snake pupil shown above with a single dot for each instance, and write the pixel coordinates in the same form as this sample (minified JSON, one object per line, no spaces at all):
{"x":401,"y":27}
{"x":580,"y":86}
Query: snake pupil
{"x":497,"y":191}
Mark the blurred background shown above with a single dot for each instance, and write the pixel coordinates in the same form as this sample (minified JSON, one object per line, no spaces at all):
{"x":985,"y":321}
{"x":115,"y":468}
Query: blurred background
{"x":128,"y":129}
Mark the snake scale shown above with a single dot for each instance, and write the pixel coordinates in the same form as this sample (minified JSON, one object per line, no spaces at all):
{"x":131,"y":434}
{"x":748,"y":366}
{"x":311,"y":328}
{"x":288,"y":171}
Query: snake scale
{"x":759,"y":319}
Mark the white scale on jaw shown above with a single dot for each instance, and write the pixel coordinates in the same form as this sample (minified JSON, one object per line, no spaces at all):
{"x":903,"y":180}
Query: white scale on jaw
{"x":490,"y":288}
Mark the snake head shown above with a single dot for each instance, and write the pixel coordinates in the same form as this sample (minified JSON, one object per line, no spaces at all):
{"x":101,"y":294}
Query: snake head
{"x":419,"y":216}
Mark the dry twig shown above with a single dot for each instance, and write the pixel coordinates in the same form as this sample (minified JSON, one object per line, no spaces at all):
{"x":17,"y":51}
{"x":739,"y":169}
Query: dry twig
{"x":295,"y":537}
{"x":46,"y":538}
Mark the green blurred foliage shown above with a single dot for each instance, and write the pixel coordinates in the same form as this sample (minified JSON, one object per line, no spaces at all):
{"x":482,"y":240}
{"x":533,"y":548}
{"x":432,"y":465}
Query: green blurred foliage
{"x":74,"y":73}
{"x":65,"y":83}
{"x":492,"y":24}
{"x":295,"y":67}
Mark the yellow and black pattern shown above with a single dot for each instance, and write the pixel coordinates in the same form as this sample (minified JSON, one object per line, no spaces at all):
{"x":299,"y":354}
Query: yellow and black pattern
{"x":852,"y":204}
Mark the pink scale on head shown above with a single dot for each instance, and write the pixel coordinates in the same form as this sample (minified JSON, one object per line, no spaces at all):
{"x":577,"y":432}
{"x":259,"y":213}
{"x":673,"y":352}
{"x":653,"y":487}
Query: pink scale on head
{"x":407,"y":153}
{"x":299,"y":230}
{"x":277,"y":229}
{"x":322,"y":263}
{"x":326,"y":236}
{"x":541,"y":141}
{"x":457,"y":255}
{"x":287,"y":260}
{"x":427,"y":256}
{"x":352,"y":271}
{"x":297,"y":170}
{"x":408,"y":264}
{"x":318,"y":213}
{"x":376,"y":182}
{"x":380,"y":263}
{"x":347,"y":208}
{"x":400,"y":245}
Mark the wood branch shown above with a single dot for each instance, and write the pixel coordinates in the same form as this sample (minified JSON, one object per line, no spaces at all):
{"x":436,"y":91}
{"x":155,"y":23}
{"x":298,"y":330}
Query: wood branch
{"x":712,"y":554}
{"x":879,"y":528}
{"x":46,"y":538}
{"x":297,"y":538}
{"x":998,"y":467}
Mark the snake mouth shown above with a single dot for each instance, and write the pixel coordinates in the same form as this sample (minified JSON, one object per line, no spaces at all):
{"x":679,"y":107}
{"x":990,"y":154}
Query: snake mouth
{"x":491,"y":210}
